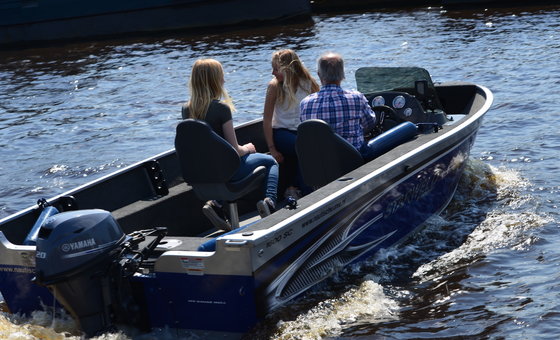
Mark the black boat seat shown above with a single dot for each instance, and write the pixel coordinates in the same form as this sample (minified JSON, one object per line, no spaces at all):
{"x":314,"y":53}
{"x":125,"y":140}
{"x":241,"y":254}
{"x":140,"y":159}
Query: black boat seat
{"x":207,"y":164}
{"x":323,"y":155}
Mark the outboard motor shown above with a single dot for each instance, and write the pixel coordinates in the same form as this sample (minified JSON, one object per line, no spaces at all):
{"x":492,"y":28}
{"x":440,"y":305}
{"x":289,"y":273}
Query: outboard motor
{"x":85,"y":259}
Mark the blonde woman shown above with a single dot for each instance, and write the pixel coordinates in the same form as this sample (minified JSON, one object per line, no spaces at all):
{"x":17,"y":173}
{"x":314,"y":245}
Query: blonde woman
{"x":210,"y":102}
{"x":291,"y":83}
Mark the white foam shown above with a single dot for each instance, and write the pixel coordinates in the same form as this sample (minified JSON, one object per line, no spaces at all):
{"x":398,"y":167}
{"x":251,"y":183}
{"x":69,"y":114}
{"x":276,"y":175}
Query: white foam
{"x":506,"y":218}
{"x":364,"y":302}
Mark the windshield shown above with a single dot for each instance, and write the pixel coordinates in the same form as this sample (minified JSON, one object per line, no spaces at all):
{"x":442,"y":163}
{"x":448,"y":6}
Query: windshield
{"x":378,"y":79}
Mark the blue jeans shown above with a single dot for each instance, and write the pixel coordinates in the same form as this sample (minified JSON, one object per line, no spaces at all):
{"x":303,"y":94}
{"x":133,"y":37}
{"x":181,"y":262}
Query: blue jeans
{"x":285,"y":142}
{"x":250,"y":162}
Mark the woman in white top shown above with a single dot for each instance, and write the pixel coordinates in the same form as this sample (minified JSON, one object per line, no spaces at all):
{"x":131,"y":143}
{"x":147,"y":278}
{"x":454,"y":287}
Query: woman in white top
{"x":291,"y":83}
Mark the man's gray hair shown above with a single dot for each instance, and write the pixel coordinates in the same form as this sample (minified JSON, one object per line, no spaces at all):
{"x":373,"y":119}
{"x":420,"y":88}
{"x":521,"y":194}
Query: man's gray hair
{"x":330,"y":68}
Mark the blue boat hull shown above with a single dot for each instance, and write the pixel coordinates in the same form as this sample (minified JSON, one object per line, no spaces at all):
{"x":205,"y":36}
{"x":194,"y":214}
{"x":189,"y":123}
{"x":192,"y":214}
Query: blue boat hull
{"x":20,"y":294}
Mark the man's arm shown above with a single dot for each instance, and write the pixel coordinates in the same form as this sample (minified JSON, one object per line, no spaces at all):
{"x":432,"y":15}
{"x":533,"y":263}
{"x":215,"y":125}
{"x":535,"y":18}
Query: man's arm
{"x":368,"y":116}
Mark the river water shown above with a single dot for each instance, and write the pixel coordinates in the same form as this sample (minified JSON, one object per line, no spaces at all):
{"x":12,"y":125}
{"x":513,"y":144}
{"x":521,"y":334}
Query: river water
{"x":489,"y":267}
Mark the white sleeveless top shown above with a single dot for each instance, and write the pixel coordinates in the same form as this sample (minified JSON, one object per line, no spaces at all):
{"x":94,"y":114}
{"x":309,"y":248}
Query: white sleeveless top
{"x":287,"y":117}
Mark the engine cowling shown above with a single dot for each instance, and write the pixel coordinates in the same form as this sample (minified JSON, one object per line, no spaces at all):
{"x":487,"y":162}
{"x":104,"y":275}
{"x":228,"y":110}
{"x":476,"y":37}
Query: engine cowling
{"x":75,"y":252}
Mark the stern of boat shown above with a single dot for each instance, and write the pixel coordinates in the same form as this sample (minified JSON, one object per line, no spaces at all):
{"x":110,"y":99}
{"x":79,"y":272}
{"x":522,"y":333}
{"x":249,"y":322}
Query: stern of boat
{"x":17,"y":269}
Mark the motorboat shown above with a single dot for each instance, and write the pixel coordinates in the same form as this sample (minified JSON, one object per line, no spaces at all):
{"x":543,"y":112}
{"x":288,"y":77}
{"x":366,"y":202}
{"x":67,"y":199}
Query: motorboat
{"x":134,"y":248}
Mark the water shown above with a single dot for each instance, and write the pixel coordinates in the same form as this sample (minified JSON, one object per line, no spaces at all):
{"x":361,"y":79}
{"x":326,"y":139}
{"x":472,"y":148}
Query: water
{"x":489,"y":267}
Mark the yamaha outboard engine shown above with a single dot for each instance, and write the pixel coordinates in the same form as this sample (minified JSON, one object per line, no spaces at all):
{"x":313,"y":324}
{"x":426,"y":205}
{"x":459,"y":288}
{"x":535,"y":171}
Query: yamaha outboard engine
{"x":84,"y":258}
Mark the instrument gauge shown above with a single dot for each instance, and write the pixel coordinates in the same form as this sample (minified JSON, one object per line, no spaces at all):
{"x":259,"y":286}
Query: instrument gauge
{"x":407,"y":112}
{"x":378,"y":101}
{"x":399,"y":102}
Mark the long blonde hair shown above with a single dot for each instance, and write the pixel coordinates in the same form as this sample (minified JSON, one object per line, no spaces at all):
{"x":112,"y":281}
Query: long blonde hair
{"x":206,"y":84}
{"x":288,"y":62}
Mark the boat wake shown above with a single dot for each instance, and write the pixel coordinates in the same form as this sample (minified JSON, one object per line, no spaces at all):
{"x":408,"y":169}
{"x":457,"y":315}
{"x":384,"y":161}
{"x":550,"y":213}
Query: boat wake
{"x":40,"y":325}
{"x":508,"y":219}
{"x":488,"y":213}
{"x":366,"y":301}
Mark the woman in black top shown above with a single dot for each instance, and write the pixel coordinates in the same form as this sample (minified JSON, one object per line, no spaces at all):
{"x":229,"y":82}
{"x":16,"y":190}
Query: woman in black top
{"x":207,"y":91}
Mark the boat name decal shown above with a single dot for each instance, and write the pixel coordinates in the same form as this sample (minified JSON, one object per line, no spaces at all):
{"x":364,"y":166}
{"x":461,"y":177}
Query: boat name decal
{"x":323,"y":213}
{"x":415,"y":193}
{"x":279,"y":237}
{"x":66,"y":247}
{"x":23,"y":270}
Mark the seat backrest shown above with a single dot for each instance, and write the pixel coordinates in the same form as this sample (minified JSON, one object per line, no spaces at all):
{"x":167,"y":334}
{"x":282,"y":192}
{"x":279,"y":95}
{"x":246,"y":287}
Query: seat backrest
{"x":323,"y":155}
{"x":204,"y":156}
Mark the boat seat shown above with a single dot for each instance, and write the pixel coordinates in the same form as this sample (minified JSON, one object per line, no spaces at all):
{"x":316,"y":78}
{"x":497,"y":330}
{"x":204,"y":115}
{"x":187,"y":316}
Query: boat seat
{"x":323,"y":155}
{"x":207,"y":164}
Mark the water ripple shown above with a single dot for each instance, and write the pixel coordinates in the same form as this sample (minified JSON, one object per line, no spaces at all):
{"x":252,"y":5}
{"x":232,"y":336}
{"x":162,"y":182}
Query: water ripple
{"x":487,"y":268}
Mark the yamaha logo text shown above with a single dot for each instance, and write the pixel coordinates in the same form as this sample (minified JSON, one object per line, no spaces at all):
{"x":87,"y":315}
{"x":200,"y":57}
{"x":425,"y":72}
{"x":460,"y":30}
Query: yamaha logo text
{"x":66,"y":247}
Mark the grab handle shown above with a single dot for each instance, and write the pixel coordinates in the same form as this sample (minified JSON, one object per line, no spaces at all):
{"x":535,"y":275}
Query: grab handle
{"x":236,"y":243}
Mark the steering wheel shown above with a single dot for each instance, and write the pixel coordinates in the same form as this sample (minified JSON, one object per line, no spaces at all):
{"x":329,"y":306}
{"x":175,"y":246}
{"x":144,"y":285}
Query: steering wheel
{"x":383,"y":112}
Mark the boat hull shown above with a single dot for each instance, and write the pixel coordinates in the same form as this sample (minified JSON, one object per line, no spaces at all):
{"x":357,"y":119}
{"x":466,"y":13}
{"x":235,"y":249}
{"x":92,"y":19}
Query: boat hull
{"x":42,"y":21}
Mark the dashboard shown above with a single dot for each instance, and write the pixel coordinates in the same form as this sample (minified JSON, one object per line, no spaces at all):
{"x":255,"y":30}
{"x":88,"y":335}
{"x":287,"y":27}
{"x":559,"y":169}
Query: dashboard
{"x":405,"y":106}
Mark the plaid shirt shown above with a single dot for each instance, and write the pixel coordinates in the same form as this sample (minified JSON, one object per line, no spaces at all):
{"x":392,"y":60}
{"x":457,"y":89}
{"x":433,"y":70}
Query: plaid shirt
{"x":347,"y":112}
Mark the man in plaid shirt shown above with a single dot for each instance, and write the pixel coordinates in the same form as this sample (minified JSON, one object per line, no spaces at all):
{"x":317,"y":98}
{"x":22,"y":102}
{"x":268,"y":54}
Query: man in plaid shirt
{"x":347,"y":112}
